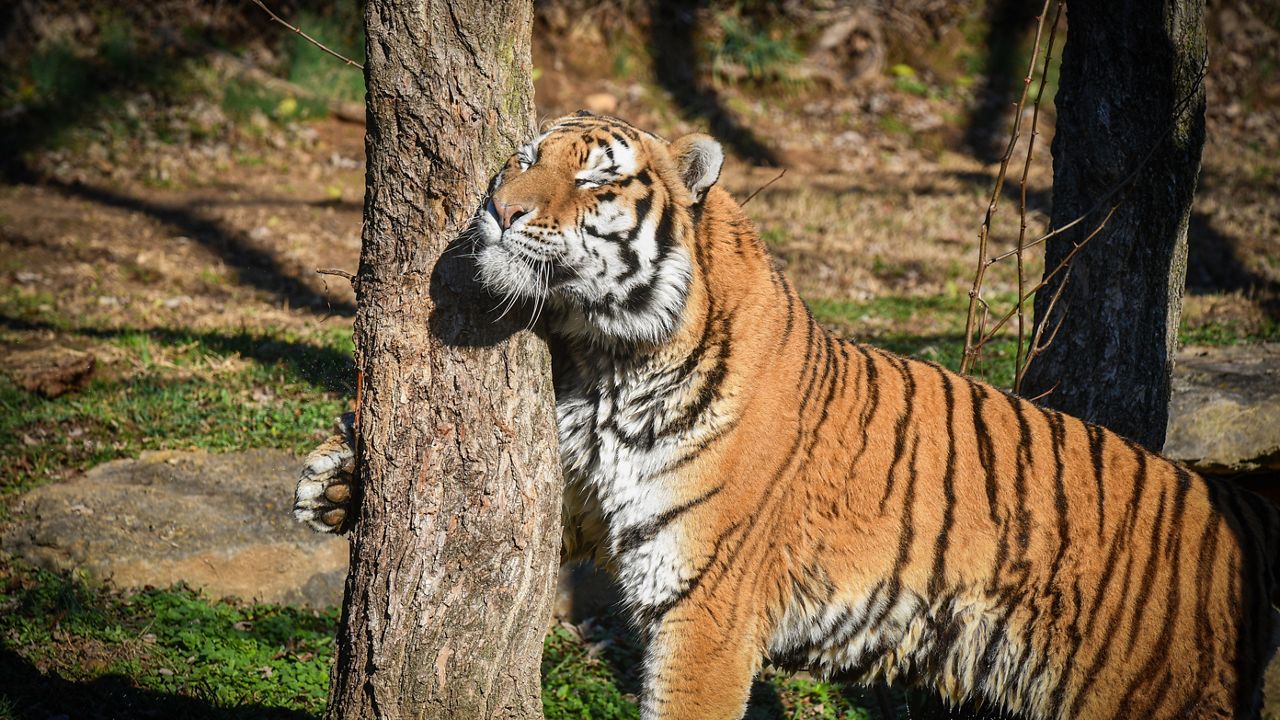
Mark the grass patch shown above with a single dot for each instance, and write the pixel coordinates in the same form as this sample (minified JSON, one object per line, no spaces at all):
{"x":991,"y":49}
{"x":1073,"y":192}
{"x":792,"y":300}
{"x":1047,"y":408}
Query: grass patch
{"x":242,"y":100}
{"x":1229,"y":332}
{"x":929,"y":328}
{"x":322,"y":76}
{"x":579,"y":684}
{"x":310,"y":67}
{"x":177,"y":390}
{"x":77,"y":649}
{"x":763,"y":55}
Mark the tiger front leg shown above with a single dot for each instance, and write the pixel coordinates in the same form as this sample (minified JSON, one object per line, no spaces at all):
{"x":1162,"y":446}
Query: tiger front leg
{"x":697,"y":670}
{"x":327,"y":495}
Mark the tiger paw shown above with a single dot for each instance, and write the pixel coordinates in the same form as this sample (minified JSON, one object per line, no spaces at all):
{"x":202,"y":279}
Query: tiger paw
{"x":326,"y":497}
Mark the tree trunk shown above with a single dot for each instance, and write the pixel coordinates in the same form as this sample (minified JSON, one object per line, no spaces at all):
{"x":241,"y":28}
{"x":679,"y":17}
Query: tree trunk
{"x":454,"y":554}
{"x":1129,"y":86}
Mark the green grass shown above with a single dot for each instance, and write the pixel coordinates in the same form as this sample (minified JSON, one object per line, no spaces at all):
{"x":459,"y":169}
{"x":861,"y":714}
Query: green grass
{"x":320,"y":74}
{"x":342,"y":30}
{"x":243,"y":99}
{"x":928,"y":327}
{"x":1229,"y":332}
{"x":179,"y":390}
{"x":765,"y":54}
{"x":73,"y":648}
{"x":579,"y":684}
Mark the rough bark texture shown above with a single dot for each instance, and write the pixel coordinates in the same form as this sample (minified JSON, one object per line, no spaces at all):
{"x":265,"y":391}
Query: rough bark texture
{"x":453,"y":558}
{"x":1128,"y":68}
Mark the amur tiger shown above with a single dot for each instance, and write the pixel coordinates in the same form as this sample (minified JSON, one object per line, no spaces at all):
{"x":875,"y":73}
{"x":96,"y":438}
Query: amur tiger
{"x":764,"y":490}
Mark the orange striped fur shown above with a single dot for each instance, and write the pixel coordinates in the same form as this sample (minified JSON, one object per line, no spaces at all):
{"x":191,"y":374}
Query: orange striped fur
{"x":766,"y":491}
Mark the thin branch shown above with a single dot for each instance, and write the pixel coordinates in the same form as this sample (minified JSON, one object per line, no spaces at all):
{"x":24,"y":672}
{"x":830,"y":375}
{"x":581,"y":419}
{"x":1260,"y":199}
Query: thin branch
{"x":972,"y":346}
{"x":775,"y":179}
{"x":307,"y":37}
{"x":1046,"y":393}
{"x":1066,"y":261}
{"x":1126,"y":181}
{"x":1037,"y":348}
{"x":340,"y":273}
{"x":1022,"y":188}
{"x":970,"y":350}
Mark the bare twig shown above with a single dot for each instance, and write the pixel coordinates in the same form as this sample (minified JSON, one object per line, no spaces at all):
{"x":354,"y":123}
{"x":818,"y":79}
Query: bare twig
{"x":970,"y":350}
{"x":1036,"y":348}
{"x":775,"y":179}
{"x":1066,"y":262}
{"x":977,"y":337}
{"x":1046,"y":393}
{"x":1022,"y":188}
{"x":305,"y":36}
{"x":340,"y":273}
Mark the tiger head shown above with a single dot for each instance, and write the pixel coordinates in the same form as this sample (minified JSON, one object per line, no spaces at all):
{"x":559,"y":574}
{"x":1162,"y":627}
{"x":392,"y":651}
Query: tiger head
{"x":595,"y":219}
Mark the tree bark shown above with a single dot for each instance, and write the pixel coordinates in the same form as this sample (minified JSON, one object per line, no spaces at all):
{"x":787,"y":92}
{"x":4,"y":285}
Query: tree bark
{"x":1129,"y":85}
{"x":454,"y":554}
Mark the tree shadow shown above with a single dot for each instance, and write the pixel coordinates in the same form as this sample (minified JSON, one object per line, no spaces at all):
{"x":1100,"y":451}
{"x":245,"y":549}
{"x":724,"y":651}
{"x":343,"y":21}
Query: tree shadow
{"x":34,"y":695}
{"x":673,"y":44}
{"x":254,"y":265}
{"x":325,"y":367}
{"x":152,"y":51}
{"x":1213,"y":266}
{"x":1007,"y":23}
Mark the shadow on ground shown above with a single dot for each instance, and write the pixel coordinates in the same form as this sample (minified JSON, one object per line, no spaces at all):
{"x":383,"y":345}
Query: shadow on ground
{"x":325,"y":367}
{"x":673,"y":43}
{"x":254,"y":265}
{"x":33,"y":695}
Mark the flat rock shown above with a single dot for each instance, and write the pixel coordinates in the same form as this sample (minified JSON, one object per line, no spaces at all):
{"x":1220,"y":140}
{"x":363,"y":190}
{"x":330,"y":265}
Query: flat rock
{"x":48,"y":371}
{"x":1224,"y":417}
{"x":220,"y":523}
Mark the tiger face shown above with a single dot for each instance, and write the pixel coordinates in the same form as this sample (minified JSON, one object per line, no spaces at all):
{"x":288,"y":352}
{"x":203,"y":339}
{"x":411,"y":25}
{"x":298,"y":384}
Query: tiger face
{"x":593,"y":219}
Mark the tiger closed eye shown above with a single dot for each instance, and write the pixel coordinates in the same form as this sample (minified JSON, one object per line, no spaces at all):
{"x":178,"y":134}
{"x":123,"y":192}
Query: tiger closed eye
{"x":585,"y":183}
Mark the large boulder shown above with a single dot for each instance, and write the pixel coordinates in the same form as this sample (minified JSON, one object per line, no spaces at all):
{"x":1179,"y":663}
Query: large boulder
{"x":1224,"y":417}
{"x":220,"y":523}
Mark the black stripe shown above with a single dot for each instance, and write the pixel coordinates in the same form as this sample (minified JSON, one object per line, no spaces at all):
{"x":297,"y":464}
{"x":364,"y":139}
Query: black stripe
{"x":986,"y":449}
{"x":900,"y":428}
{"x":1022,"y":513}
{"x":1057,"y":433}
{"x":1097,"y":448}
{"x":938,"y":579}
{"x":1204,"y":623}
{"x":636,"y":535}
{"x":1160,"y":648}
{"x":1145,"y":586}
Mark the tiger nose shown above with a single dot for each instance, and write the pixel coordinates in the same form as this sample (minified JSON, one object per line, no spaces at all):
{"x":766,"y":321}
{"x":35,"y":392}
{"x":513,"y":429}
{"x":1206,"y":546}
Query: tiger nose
{"x":507,"y":214}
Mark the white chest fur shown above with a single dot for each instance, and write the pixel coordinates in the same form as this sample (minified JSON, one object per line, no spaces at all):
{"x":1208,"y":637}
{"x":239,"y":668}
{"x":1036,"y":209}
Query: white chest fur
{"x":621,"y":437}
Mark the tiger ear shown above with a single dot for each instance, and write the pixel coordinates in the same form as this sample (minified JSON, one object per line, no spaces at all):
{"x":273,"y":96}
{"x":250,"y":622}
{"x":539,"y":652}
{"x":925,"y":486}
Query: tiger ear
{"x":698,"y":159}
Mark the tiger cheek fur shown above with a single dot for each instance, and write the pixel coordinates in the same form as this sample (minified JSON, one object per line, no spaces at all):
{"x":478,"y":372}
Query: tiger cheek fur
{"x":763,"y":490}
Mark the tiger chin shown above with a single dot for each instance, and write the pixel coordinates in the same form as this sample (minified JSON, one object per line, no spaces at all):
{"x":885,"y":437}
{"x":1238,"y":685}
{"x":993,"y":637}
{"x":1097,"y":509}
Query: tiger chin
{"x":764,"y":491}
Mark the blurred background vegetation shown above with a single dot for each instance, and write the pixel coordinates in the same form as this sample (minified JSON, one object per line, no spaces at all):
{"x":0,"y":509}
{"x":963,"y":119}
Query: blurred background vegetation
{"x":173,"y":172}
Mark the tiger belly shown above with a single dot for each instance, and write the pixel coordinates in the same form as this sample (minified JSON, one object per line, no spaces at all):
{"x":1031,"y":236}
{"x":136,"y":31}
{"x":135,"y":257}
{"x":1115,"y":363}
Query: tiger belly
{"x":887,"y":635}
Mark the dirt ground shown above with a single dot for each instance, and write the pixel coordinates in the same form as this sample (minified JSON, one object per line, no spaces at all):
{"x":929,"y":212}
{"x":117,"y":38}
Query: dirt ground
{"x":233,"y":236}
{"x":200,"y":220}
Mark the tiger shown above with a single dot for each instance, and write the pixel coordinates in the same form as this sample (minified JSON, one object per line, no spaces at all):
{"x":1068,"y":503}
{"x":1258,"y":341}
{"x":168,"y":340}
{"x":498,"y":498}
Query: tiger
{"x":766,"y":492}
